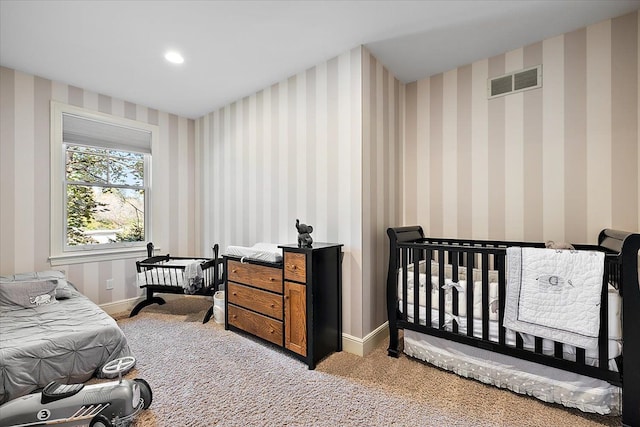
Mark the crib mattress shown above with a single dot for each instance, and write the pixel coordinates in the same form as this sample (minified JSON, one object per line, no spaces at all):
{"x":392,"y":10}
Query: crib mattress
{"x":545,"y":383}
{"x":265,"y":252}
{"x":569,"y":352}
{"x":67,"y":341}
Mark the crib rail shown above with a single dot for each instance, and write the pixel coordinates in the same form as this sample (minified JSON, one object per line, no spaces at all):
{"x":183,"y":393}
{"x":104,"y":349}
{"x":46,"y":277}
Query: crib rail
{"x":157,"y":272}
{"x":483,"y":260}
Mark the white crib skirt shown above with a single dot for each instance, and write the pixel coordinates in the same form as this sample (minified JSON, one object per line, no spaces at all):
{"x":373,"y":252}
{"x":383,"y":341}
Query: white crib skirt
{"x":545,"y":383}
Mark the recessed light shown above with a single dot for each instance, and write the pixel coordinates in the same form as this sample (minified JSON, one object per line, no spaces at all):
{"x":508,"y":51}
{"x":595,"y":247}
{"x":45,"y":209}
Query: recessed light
{"x":173,"y":56}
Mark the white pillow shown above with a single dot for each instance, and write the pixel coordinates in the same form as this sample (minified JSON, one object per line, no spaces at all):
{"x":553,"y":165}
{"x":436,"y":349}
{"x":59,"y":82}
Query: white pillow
{"x":64,"y":290}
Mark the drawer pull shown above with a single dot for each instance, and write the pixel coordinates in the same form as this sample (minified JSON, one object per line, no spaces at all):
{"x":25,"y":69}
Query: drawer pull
{"x":234,"y":271}
{"x":295,"y":267}
{"x":235,"y":294}
{"x":272,"y":279}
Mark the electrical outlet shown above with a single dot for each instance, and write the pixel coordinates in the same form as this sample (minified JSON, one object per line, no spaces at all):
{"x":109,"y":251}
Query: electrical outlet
{"x":109,"y":284}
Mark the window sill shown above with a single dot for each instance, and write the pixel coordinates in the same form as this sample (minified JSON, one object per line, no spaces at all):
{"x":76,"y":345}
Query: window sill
{"x":81,"y":257}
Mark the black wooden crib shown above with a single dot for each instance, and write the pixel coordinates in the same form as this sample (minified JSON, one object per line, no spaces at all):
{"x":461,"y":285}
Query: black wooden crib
{"x":168,"y":274}
{"x":443,"y":265}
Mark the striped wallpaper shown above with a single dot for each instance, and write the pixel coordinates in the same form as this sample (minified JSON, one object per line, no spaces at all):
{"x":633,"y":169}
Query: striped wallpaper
{"x":25,"y":182}
{"x":346,"y":147}
{"x":322,"y":146}
{"x":293,"y":150}
{"x":559,"y":163}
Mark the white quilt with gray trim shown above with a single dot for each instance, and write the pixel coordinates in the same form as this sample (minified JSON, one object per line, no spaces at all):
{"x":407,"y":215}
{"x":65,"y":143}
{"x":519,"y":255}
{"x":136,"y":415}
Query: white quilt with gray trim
{"x":555,"y":294}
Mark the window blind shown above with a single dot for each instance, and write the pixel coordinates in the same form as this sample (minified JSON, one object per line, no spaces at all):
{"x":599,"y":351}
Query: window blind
{"x":95,"y":133}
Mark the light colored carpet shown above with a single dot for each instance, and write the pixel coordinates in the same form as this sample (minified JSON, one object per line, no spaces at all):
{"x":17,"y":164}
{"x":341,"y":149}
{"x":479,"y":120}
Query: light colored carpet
{"x":202,"y":375}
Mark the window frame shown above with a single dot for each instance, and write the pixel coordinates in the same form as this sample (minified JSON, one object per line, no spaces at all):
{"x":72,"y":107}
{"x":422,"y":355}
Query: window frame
{"x":60,"y":252}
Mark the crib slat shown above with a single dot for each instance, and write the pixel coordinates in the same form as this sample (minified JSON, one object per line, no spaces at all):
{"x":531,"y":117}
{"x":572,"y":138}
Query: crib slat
{"x":519,"y":342}
{"x":538,"y":345}
{"x":428,"y":286}
{"x":405,"y":262}
{"x":454,"y":291}
{"x":485,"y":296}
{"x":500,"y":260}
{"x":470,"y":282}
{"x":580,"y":356}
{"x":440,"y":289}
{"x":557,"y":350}
{"x":416,"y":285}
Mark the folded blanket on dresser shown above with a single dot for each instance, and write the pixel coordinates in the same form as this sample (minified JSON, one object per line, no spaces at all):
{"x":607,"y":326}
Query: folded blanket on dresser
{"x":555,"y":294}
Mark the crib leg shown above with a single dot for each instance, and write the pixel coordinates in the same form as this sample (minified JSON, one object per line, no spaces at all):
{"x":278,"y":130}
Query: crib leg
{"x":145,"y":302}
{"x":393,"y":341}
{"x":207,"y":316}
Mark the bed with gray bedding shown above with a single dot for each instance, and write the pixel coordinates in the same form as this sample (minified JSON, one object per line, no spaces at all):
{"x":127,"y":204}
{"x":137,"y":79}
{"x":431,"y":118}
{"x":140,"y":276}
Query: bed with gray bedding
{"x":50,"y":331}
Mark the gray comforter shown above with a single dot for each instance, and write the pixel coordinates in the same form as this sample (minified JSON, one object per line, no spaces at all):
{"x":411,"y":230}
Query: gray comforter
{"x":68,"y":341}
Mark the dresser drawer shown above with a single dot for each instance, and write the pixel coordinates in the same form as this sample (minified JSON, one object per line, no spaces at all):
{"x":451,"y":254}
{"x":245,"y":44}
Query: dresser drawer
{"x":295,"y":266}
{"x":256,"y":300}
{"x":259,"y":276}
{"x":256,"y":324}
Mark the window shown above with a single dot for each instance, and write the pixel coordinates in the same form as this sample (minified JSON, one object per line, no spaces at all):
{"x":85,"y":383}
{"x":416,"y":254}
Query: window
{"x":105,"y":196}
{"x":101,"y":190}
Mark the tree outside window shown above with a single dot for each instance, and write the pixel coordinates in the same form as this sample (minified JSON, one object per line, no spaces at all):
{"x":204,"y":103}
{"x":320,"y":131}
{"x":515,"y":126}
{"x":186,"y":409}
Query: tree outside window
{"x":105,"y":195}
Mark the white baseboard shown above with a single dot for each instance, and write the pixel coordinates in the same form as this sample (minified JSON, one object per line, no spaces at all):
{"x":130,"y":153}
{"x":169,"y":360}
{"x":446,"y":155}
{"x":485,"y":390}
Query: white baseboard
{"x":364,"y":346}
{"x":120,"y":306}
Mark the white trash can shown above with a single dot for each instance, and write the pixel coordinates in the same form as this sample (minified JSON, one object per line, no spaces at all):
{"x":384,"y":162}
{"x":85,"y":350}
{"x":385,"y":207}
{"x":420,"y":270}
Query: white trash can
{"x":218,"y":307}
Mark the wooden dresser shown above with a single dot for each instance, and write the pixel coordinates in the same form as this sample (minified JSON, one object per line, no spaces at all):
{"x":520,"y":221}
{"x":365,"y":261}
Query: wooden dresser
{"x":296,"y":305}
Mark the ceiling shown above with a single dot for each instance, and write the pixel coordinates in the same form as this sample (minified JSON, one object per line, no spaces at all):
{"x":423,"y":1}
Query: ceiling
{"x":235,"y":48}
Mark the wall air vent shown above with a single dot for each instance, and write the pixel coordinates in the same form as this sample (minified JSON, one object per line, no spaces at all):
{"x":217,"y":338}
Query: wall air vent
{"x":501,"y":85}
{"x":530,"y":78}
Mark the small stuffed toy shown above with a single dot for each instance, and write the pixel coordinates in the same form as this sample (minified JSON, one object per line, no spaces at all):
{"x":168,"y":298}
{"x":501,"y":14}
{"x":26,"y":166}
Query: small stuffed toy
{"x":550,"y":244}
{"x":304,"y":234}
